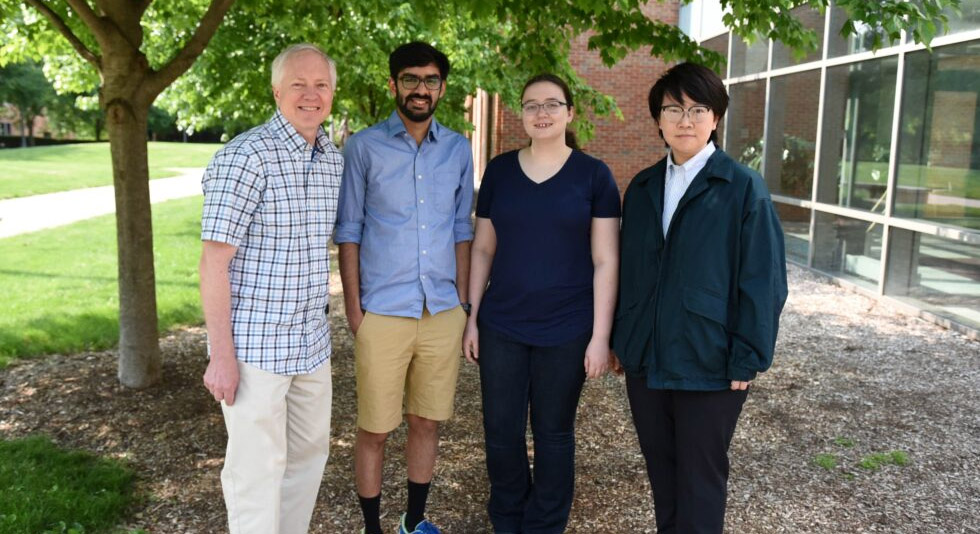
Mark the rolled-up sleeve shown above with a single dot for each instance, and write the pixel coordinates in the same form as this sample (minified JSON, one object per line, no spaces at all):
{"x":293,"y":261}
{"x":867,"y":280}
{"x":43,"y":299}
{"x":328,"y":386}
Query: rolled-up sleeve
{"x":762,"y":292}
{"x":462,"y":222}
{"x":232,"y":186}
{"x":350,"y":208}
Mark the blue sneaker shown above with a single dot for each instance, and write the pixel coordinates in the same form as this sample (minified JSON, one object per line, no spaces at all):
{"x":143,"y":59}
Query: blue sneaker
{"x":425,"y":527}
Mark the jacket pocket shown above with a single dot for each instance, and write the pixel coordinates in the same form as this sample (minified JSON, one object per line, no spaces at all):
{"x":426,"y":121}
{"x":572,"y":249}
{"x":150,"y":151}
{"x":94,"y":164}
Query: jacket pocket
{"x":624,"y":332}
{"x":705,"y":331}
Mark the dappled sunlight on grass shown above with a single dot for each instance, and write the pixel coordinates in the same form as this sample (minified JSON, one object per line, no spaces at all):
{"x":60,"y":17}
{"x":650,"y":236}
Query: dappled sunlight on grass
{"x":60,"y":284}
{"x":47,"y":169}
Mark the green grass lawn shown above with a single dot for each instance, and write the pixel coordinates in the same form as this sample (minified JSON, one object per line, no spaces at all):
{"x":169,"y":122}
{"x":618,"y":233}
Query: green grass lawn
{"x":48,"y":489}
{"x":59,"y":285}
{"x":47,"y":169}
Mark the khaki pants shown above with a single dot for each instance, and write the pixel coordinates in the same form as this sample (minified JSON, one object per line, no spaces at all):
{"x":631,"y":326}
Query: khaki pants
{"x":278,"y":442}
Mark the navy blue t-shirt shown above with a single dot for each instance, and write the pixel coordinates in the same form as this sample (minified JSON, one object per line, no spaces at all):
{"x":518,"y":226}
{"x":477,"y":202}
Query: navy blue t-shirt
{"x":540,"y":290}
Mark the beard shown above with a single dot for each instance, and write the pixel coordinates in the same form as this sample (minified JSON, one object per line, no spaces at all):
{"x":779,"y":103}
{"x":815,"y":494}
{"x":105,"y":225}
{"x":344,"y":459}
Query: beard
{"x":412,"y":114}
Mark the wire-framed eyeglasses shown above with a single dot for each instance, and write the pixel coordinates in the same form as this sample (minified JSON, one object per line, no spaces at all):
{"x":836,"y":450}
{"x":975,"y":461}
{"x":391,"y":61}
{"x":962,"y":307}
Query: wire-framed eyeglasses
{"x":673,"y":114}
{"x":550,"y":107}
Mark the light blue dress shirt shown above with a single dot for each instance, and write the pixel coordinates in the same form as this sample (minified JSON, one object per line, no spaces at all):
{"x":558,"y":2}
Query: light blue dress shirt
{"x":407,"y":205}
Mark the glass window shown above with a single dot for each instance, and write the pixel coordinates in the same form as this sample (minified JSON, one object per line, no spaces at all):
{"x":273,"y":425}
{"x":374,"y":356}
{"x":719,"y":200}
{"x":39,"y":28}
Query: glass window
{"x":848,"y":248}
{"x":812,"y":19}
{"x":796,"y":231}
{"x":939,"y":145}
{"x":749,"y":59}
{"x":719,"y":44}
{"x":859,"y":101}
{"x":936,"y":274}
{"x":860,"y":41}
{"x":746,"y":120}
{"x":969,"y":18}
{"x":792,"y":132}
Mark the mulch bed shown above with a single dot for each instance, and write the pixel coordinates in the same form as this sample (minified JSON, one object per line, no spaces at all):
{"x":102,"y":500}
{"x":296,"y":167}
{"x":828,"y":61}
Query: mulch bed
{"x":852,"y":377}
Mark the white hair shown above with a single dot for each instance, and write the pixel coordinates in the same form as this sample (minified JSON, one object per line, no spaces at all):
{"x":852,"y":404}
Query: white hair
{"x":280,"y":62}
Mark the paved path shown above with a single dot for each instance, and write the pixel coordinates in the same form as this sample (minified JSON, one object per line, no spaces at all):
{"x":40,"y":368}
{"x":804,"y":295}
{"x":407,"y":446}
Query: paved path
{"x":28,"y":214}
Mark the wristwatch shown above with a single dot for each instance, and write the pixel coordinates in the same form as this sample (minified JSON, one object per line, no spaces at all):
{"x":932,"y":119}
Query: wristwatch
{"x":467,"y":307}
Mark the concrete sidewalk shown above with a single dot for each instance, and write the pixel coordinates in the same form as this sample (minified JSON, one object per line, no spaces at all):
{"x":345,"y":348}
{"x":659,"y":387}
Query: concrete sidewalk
{"x":28,"y":214}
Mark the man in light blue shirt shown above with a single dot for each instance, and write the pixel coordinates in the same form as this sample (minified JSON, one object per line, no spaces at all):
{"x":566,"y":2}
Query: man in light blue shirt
{"x":404,"y":230}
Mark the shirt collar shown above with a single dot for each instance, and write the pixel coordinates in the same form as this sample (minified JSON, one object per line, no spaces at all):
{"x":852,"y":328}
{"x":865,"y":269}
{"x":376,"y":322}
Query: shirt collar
{"x":698,"y":161}
{"x":293,"y":140}
{"x":396,"y":126}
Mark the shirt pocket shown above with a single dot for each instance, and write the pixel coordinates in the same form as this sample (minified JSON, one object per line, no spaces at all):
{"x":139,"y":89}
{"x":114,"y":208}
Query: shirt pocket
{"x":705,"y":330}
{"x":444,"y":186}
{"x":283,"y":211}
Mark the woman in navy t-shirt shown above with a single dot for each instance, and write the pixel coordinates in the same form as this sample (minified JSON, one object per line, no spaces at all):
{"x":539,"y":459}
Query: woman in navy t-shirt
{"x":543,"y":280}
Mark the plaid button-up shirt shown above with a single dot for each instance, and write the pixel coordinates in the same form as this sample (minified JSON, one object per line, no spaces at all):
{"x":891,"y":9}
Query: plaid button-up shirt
{"x":272,"y":195}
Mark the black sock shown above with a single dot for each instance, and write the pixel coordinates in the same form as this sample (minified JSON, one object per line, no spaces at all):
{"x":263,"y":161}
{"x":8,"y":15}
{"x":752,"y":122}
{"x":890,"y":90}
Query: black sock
{"x":371,"y":508}
{"x":417,"y":495}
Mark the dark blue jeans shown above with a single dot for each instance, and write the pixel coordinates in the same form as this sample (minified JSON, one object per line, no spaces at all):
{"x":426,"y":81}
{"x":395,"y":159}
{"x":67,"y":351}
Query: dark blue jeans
{"x":513,"y":376}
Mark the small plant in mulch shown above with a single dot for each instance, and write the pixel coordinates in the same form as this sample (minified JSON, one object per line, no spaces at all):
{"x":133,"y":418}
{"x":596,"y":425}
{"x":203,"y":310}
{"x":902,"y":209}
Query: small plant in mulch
{"x":871,"y":462}
{"x":826,"y":461}
{"x":875,"y":461}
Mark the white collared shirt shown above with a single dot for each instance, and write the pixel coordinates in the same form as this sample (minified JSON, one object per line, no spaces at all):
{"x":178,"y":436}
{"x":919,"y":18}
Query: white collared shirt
{"x":679,"y":178}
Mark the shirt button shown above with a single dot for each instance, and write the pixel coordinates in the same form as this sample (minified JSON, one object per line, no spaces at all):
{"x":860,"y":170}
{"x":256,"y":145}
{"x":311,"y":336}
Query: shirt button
{"x":421,"y":201}
{"x":420,"y":177}
{"x":423,"y":227}
{"x":425,"y":252}
{"x":423,"y":277}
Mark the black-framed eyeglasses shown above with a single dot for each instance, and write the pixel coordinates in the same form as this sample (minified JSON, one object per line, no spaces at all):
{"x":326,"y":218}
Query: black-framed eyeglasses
{"x":411,"y":81}
{"x":697,"y":114}
{"x":550,"y":107}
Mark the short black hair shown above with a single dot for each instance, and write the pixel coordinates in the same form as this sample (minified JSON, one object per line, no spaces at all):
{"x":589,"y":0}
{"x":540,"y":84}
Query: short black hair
{"x":698,"y":82}
{"x":417,"y":54}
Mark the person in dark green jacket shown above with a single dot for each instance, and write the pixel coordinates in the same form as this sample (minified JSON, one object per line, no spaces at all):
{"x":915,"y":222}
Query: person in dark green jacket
{"x":702,"y":284}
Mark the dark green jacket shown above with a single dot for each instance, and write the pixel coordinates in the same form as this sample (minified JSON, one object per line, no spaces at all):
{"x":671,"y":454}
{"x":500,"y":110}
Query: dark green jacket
{"x":700,"y":308}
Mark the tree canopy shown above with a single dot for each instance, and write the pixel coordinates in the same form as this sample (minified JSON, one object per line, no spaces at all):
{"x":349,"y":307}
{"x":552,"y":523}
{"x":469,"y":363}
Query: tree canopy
{"x":493,"y":44}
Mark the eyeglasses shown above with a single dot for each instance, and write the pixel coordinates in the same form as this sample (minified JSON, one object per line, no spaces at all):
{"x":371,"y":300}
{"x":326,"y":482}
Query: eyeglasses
{"x":697,"y":114}
{"x":410,"y":81}
{"x":550,"y":107}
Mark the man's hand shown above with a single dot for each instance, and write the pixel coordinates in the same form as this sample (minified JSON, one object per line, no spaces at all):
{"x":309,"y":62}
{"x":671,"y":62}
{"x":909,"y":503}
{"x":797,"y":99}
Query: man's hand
{"x":221,"y":379}
{"x":354,"y":319}
{"x":596,"y":358}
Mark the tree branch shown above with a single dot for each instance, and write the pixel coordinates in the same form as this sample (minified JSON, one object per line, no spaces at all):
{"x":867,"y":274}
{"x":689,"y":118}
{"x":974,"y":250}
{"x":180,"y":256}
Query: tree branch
{"x":89,"y":17}
{"x":142,"y":6}
{"x":185,"y":57}
{"x":65,"y":31}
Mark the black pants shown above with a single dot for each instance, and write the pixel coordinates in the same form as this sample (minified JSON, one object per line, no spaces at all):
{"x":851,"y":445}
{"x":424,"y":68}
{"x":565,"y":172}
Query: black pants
{"x":684,"y":437}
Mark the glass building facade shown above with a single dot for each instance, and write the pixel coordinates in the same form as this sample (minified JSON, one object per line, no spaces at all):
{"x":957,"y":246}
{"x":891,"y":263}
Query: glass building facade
{"x":872,"y":158}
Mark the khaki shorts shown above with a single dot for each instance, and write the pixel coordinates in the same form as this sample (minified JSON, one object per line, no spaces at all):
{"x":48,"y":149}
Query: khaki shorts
{"x":402,"y":355}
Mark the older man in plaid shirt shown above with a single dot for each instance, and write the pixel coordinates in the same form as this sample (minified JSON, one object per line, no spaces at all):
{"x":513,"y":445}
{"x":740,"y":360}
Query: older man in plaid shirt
{"x":270,"y":201}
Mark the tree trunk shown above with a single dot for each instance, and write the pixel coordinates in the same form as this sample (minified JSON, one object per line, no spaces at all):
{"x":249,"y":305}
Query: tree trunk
{"x":23,"y":132}
{"x":139,"y":350}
